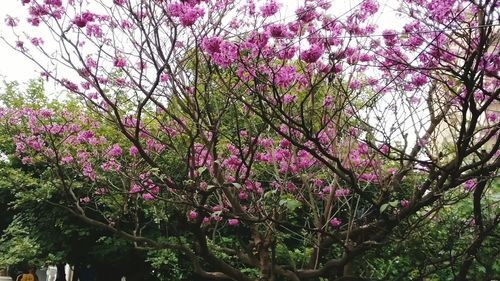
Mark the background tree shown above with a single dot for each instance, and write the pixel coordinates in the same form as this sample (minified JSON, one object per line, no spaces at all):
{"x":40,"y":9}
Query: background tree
{"x":34,"y":230}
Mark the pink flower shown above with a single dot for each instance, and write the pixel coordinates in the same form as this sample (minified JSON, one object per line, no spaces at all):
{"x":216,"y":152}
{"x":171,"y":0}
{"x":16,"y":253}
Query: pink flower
{"x":148,"y":196}
{"x":135,"y":188}
{"x":85,"y":200}
{"x":422,"y":142}
{"x":175,"y":9}
{"x":404,"y":203}
{"x":490,"y":63}
{"x":94,"y":30}
{"x":111,"y":165}
{"x":284,"y":143}
{"x":27,"y":160}
{"x":133,"y":151}
{"x":191,"y":15}
{"x":469,"y":185}
{"x":114,"y":151}
{"x":35,"y":142}
{"x":384,"y":149}
{"x":342,"y":192}
{"x":192,"y":215}
{"x":70,"y":85}
{"x":286,"y":52}
{"x":20,"y":46}
{"x":327,"y":101}
{"x":419,"y":80}
{"x":326,"y":190}
{"x":354,"y":85}
{"x":363,"y":148}
{"x":57,"y":3}
{"x":222,"y":53}
{"x":285,"y":76}
{"x":312,"y":54}
{"x":66,"y":159}
{"x":390,"y":37}
{"x":206,"y":220}
{"x":368,"y":177}
{"x":288,"y":98}
{"x":101,"y":191}
{"x":80,"y":21}
{"x":154,"y":189}
{"x":186,"y":13}
{"x":306,"y":14}
{"x":290,"y":186}
{"x":367,"y":8}
{"x":243,"y":195}
{"x":317,"y":182}
{"x":491,"y":116}
{"x":335,"y":222}
{"x":10,"y":21}
{"x":203,"y":185}
{"x":233,"y":221}
{"x":277,"y":30}
{"x":119,"y":62}
{"x":211,"y":45}
{"x":164,"y":77}
{"x":269,"y":9}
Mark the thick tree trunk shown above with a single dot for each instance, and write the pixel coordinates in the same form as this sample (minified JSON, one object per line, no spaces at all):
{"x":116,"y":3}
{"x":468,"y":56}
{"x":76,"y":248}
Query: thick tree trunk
{"x":348,"y":270}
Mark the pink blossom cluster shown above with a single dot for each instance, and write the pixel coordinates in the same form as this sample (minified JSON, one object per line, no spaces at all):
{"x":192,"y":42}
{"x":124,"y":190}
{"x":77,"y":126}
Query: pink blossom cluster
{"x":187,"y":12}
{"x":270,"y":8}
{"x":222,"y":53}
{"x":83,"y":19}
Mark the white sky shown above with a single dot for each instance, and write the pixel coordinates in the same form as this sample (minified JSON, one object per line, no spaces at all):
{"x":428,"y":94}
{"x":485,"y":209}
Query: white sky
{"x":15,"y":67}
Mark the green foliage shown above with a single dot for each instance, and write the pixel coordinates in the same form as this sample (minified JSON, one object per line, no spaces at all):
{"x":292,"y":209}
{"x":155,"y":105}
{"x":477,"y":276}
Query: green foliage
{"x":165,"y":264}
{"x":34,"y":95}
{"x":435,"y":250}
{"x":34,"y":230}
{"x":17,"y":246}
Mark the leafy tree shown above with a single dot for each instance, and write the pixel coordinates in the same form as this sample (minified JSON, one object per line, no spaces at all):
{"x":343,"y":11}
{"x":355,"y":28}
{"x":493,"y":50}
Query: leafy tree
{"x":34,"y":230}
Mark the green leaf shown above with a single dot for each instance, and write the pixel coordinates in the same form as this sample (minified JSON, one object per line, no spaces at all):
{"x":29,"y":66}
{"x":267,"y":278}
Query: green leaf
{"x":393,"y":204}
{"x":155,"y":171}
{"x":269,"y":193}
{"x":383,"y":207}
{"x":237,"y":185}
{"x":201,"y":170}
{"x":291,"y":204}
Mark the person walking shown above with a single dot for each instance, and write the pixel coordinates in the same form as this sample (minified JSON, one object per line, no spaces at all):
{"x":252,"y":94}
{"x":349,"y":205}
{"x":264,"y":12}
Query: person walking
{"x":28,"y":275}
{"x":51,"y":273}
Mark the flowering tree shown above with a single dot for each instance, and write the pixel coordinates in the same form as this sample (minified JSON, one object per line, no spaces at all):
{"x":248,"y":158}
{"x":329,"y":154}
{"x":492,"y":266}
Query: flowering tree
{"x":242,"y":135}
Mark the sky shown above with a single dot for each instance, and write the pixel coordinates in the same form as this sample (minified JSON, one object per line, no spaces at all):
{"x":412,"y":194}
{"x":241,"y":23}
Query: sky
{"x":15,"y":67}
